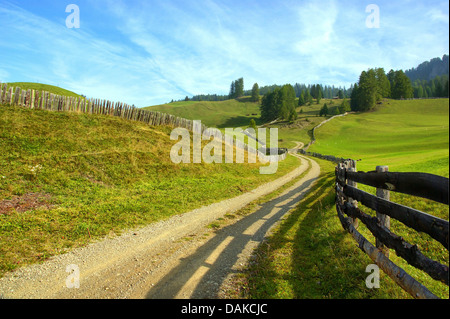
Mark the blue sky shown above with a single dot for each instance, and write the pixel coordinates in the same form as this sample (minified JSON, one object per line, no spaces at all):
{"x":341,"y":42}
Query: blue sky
{"x":150,"y":52}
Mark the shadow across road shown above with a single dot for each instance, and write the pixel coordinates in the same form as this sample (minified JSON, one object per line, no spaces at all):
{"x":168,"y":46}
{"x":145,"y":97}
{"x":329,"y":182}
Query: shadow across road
{"x":200,"y":275}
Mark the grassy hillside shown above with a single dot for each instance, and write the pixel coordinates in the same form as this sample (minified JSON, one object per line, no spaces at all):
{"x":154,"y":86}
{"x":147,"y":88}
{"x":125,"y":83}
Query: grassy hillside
{"x":221,"y":114}
{"x":238,"y":113}
{"x":67,"y":179}
{"x":310,"y":255}
{"x":405,"y":135}
{"x":44,"y":87}
{"x":301,"y":129}
{"x":410,"y":135}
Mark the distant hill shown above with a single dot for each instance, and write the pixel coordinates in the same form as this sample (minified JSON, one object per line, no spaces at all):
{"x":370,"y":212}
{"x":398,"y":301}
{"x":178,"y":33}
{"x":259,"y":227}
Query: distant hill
{"x":428,"y":70}
{"x":220,"y":114}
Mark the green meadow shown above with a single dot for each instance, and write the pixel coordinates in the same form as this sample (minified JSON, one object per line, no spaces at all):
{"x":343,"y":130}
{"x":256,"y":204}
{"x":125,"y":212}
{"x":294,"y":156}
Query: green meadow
{"x":221,"y":114}
{"x":310,"y":255}
{"x":406,"y":135}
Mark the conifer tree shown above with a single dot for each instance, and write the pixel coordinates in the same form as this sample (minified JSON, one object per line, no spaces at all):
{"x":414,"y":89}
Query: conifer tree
{"x":255,"y":93}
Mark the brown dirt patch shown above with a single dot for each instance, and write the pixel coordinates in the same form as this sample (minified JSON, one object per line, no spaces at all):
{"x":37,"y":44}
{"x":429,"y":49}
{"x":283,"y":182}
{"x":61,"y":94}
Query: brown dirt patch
{"x":26,"y":202}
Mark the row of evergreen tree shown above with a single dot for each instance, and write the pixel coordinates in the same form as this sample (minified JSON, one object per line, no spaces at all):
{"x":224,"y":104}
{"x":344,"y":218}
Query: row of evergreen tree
{"x":237,"y":90}
{"x":437,"y":87}
{"x":375,"y":84}
{"x":326,"y":91}
{"x":430,"y":79}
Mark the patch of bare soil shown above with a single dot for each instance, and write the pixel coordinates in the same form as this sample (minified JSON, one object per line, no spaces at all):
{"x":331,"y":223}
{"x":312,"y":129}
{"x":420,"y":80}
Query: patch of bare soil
{"x":26,"y":202}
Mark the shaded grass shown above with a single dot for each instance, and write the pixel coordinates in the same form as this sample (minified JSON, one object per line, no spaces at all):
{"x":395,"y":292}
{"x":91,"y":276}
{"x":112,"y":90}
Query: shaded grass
{"x":101,"y":175}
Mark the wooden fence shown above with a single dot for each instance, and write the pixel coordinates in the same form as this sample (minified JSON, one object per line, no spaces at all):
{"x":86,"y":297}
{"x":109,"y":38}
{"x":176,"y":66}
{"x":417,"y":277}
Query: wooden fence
{"x":429,"y":186}
{"x":330,"y":158}
{"x":42,"y":100}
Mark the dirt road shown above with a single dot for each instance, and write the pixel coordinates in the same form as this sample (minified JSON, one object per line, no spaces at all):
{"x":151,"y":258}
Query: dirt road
{"x":169,"y":259}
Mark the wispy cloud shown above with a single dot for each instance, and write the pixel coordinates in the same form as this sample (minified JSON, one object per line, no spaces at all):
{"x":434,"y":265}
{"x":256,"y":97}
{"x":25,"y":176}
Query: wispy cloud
{"x":148,"y":52}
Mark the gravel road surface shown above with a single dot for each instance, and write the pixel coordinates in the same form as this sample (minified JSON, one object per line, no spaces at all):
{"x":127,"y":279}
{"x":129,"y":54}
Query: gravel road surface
{"x":168,"y":259}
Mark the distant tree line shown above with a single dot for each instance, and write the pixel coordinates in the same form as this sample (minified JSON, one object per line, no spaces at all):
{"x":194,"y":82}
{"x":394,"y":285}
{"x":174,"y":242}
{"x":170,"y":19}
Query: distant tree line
{"x":326,"y":91}
{"x":437,"y":87}
{"x":429,"y":79}
{"x":207,"y":97}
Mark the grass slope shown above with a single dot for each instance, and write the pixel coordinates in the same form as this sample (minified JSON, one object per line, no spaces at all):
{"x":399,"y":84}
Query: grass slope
{"x":310,"y":255}
{"x":405,"y":135}
{"x":238,"y":113}
{"x":67,"y":179}
{"x":221,"y":114}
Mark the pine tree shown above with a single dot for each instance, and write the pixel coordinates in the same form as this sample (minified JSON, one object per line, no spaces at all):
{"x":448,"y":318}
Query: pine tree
{"x":367,"y":95}
{"x":354,"y":98}
{"x":301,"y":99}
{"x":402,"y":88}
{"x":384,"y":86}
{"x":253,"y":124}
{"x":279,"y":104}
{"x":232,"y":94}
{"x":255,"y":93}
{"x":236,"y":89}
{"x":239,"y":87}
{"x":324,"y":110}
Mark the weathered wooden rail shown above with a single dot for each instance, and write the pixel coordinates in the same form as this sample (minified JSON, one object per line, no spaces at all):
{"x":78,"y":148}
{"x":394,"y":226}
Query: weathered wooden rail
{"x":429,"y":186}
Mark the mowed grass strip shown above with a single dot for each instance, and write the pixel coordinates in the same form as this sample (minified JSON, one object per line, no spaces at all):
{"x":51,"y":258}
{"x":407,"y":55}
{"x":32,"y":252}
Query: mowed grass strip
{"x":68,"y":179}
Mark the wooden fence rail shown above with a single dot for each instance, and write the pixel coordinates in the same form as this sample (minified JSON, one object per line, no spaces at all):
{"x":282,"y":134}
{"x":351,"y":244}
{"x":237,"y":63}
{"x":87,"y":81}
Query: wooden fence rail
{"x":42,"y":100}
{"x":418,"y":184}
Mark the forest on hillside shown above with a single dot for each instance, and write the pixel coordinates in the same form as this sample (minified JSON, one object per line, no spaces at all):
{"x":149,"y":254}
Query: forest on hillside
{"x":428,"y":79}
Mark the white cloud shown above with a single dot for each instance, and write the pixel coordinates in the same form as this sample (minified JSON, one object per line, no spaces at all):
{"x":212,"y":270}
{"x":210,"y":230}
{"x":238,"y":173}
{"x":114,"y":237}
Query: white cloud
{"x":437,"y":15}
{"x":148,"y":53}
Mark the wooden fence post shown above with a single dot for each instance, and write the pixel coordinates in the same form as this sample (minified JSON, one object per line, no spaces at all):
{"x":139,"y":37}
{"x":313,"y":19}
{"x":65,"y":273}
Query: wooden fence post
{"x":351,"y":167}
{"x":385,"y":220}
